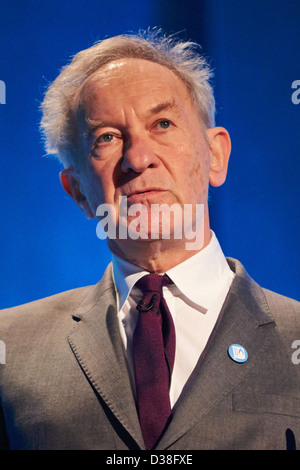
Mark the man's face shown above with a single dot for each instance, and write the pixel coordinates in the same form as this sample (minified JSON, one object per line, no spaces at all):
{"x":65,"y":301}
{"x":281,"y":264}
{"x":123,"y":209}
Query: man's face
{"x":144,"y":138}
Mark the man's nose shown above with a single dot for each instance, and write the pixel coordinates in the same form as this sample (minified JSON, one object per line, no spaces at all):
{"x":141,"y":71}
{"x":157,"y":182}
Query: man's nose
{"x":138,"y":156}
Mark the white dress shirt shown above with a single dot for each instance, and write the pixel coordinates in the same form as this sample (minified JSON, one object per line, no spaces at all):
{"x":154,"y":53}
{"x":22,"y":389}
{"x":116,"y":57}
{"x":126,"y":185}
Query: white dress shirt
{"x":201,"y":284}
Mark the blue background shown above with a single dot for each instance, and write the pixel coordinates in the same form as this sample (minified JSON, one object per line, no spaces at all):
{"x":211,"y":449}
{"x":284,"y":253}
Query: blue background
{"x":46,"y":244}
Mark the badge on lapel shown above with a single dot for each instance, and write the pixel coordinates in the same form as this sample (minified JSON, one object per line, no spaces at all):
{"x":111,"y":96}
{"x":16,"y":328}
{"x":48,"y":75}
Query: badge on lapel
{"x":237,"y":353}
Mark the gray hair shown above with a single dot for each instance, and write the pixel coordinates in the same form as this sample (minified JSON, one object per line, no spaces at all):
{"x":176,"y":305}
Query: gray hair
{"x":58,"y":124}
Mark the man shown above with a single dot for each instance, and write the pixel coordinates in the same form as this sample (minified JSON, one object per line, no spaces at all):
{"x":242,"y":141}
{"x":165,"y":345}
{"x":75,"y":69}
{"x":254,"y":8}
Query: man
{"x":176,"y":347}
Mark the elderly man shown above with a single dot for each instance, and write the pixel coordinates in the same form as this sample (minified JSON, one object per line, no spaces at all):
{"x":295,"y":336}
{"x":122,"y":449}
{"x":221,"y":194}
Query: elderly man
{"x":176,"y":347}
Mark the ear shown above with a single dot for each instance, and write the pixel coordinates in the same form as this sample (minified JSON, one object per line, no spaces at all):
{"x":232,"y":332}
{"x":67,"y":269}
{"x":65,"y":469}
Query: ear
{"x":220,"y":148}
{"x":70,"y":182}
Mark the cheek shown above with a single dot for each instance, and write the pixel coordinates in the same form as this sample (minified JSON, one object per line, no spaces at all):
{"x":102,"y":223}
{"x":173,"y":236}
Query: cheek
{"x":94,"y":186}
{"x":200,"y":168}
{"x":195,"y":175}
{"x":197,"y":183}
{"x":102,"y":181}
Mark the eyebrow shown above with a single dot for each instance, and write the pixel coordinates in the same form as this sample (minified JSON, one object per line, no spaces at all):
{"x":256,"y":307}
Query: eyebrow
{"x":93,"y":124}
{"x":164,"y":106}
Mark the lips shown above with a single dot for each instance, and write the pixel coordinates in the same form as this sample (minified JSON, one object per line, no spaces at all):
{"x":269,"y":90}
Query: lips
{"x":139,"y":195}
{"x":143,"y":191}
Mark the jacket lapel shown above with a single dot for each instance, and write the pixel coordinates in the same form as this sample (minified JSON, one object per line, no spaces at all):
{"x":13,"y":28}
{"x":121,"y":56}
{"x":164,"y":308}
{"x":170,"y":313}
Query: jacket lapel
{"x":243,"y":320}
{"x":96,"y":343}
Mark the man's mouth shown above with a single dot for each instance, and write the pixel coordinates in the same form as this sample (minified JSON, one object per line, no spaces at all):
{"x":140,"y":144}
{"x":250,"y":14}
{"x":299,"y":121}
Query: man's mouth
{"x":138,"y":195}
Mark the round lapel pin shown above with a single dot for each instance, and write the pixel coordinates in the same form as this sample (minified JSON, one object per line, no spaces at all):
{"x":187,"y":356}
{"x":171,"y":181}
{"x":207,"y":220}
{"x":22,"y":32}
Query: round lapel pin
{"x":237,"y":353}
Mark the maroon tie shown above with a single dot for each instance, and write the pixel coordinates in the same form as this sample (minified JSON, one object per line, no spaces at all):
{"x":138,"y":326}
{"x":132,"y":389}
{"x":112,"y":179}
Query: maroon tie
{"x":153,"y":357}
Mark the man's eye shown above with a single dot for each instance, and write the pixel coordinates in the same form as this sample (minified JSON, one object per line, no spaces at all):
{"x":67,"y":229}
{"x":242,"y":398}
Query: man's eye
{"x":165,"y":124}
{"x":105,"y":138}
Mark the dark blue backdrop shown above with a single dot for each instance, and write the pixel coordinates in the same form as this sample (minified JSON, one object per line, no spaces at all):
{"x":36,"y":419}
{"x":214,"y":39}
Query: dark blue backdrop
{"x":47,"y":245}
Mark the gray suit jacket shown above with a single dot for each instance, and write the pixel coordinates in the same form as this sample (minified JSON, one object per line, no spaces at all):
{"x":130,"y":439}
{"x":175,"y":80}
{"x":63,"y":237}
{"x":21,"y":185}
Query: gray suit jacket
{"x":65,"y":383}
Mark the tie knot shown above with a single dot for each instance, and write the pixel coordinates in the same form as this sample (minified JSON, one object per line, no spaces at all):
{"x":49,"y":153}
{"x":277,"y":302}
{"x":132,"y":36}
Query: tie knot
{"x":152,"y":283}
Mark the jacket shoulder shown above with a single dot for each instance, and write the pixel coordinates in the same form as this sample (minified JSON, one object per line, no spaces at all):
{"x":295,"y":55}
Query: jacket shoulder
{"x":59,"y":307}
{"x":285,"y":311}
{"x":58,"y":304}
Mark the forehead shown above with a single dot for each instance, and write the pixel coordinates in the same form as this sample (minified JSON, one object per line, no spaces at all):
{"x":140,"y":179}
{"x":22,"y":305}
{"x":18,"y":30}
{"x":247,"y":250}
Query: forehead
{"x":132,"y":79}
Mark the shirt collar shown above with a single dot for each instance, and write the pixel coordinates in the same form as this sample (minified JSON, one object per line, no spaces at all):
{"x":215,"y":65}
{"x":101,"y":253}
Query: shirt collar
{"x":200,"y":278}
{"x":125,"y":276}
